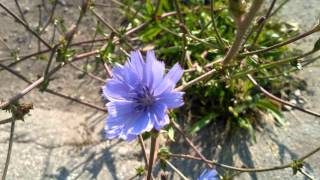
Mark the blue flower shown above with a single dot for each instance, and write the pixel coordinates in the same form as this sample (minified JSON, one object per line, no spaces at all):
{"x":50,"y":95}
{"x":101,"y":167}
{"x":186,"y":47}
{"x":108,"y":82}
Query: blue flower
{"x":140,"y":95}
{"x":209,"y":174}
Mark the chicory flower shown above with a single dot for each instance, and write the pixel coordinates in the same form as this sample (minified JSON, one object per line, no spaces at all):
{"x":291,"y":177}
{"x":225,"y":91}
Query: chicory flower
{"x":140,"y":93}
{"x":209,"y":174}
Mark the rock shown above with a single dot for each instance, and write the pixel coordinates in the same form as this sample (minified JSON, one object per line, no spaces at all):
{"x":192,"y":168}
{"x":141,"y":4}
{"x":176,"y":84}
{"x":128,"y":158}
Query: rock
{"x":297,"y":93}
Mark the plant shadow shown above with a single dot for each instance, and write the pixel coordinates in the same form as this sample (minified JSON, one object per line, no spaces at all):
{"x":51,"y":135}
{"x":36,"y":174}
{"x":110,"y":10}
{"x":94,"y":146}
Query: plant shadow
{"x":236,"y":149}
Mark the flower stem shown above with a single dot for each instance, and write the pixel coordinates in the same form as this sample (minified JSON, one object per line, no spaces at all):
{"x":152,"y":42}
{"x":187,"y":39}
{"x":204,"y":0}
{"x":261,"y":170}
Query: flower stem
{"x":153,"y":153}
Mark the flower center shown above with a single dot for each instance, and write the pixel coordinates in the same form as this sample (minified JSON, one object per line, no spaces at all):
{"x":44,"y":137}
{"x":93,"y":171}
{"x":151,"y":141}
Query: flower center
{"x":145,"y":97}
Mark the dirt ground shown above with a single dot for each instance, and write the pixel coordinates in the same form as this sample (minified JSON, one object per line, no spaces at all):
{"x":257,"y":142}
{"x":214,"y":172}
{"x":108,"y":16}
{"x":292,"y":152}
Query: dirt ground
{"x":63,"y":140}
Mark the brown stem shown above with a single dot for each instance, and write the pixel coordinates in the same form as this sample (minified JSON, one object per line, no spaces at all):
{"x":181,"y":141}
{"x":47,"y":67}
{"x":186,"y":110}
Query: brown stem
{"x":87,"y":73}
{"x":144,"y":152}
{"x":6,"y":166}
{"x":153,"y":153}
{"x":241,"y":30}
{"x":202,"y":157}
{"x":50,"y":17}
{"x":20,"y":11}
{"x":257,"y":170}
{"x":6,"y":120}
{"x":106,"y":23}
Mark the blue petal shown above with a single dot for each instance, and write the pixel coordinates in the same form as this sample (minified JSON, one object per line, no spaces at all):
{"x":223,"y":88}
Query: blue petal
{"x":120,"y":108}
{"x":128,"y":137}
{"x":171,"y":99}
{"x":112,"y":133}
{"x":159,"y":116}
{"x":147,"y":73}
{"x":136,"y":63}
{"x":116,"y":126}
{"x":126,"y":75}
{"x":140,"y":124}
{"x":115,"y":90}
{"x":209,"y":174}
{"x":170,"y":80}
{"x":113,"y":127}
{"x":118,"y":72}
{"x":157,"y":68}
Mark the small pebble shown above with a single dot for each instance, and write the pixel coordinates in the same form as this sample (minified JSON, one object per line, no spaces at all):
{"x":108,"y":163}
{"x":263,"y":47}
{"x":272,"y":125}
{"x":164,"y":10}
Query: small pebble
{"x":287,"y":107}
{"x":293,"y":101}
{"x":297,"y":92}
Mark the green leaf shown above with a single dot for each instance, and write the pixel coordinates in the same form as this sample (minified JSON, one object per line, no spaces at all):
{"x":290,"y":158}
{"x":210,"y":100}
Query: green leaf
{"x":99,"y":28}
{"x":271,"y":108}
{"x":163,"y":153}
{"x":296,"y":166}
{"x":140,"y":170}
{"x":171,"y":133}
{"x":149,"y":7}
{"x":151,"y":33}
{"x":202,"y":122}
{"x":245,"y":124}
{"x":146,"y":135}
{"x":278,"y":116}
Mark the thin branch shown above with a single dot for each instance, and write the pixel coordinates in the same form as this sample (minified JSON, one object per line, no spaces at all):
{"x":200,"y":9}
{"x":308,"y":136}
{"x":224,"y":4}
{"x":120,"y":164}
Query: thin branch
{"x":42,"y":79}
{"x":261,"y":26}
{"x":52,"y":92}
{"x":6,"y":120}
{"x":202,"y":157}
{"x":6,"y":166}
{"x":50,"y":17}
{"x":215,"y":28}
{"x":25,"y":57}
{"x":102,"y":109}
{"x":196,"y":80}
{"x":70,"y":34}
{"x":272,"y":64}
{"x":20,"y":11}
{"x":176,"y":170}
{"x":50,"y":60}
{"x":279,"y":7}
{"x":5,"y":44}
{"x":184,"y":32}
{"x":270,"y":95}
{"x":240,"y":169}
{"x":25,"y":25}
{"x":22,"y":93}
{"x":112,"y":29}
{"x":57,"y":93}
{"x":291,"y":40}
{"x":87,"y":73}
{"x":129,"y":8}
{"x":14,"y":72}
